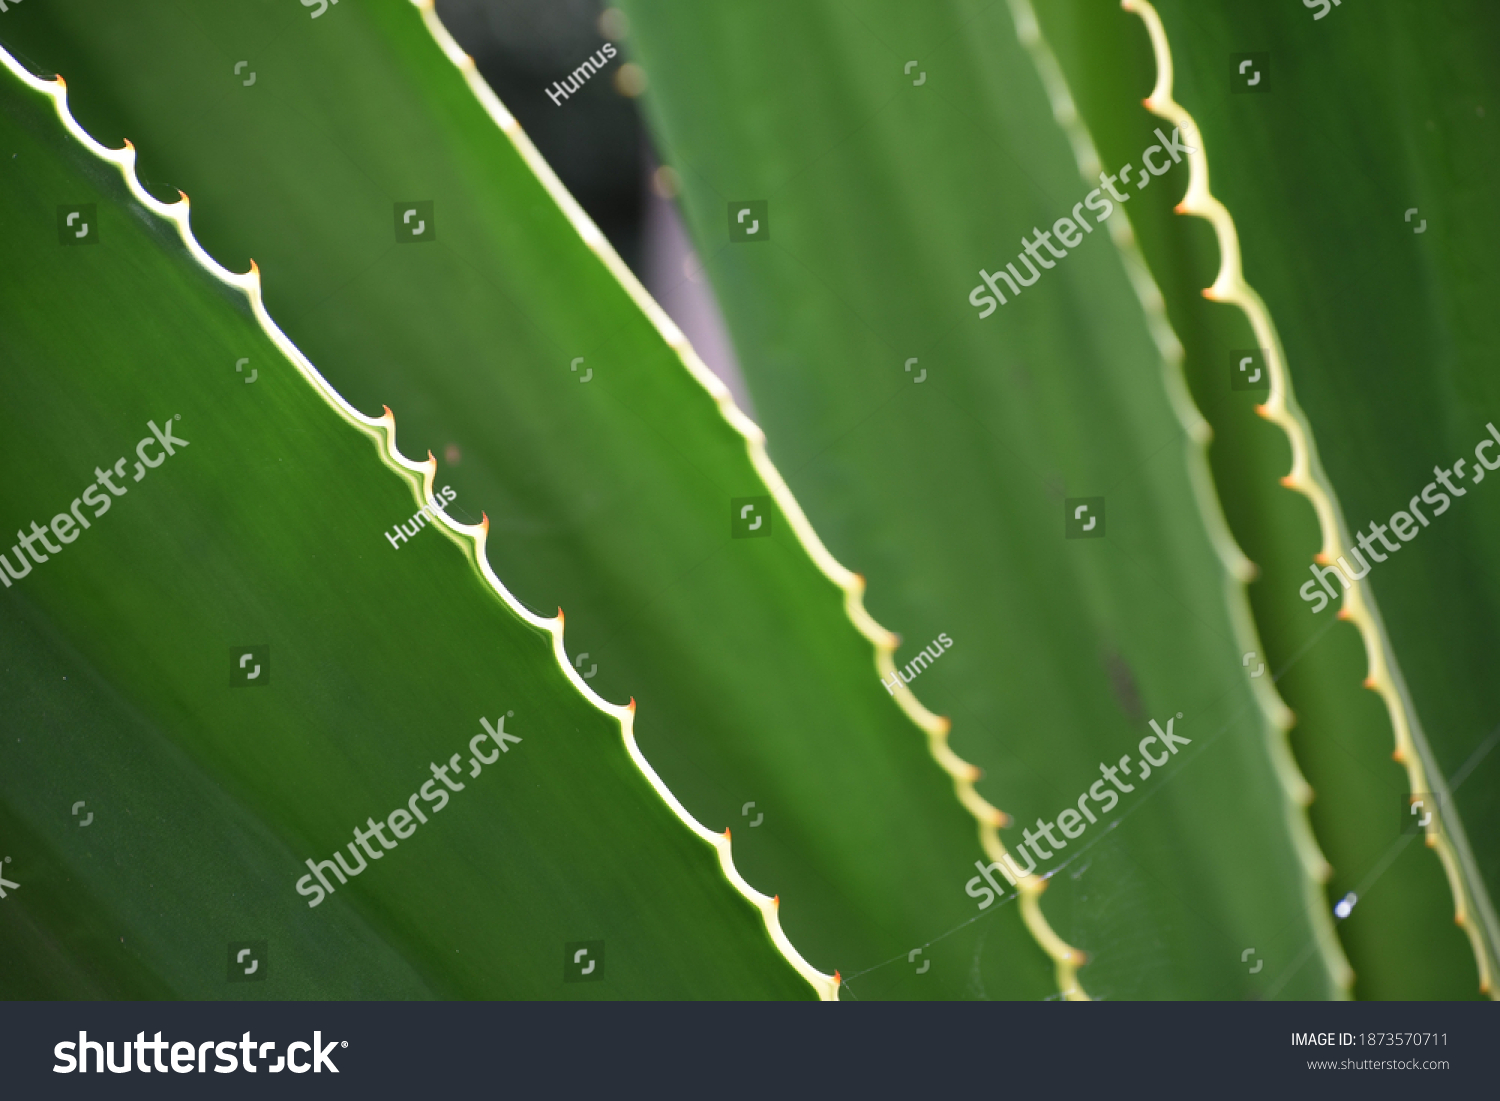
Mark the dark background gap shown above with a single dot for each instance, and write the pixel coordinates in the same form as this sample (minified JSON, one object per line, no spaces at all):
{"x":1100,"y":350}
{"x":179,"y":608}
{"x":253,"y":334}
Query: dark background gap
{"x":597,"y":143}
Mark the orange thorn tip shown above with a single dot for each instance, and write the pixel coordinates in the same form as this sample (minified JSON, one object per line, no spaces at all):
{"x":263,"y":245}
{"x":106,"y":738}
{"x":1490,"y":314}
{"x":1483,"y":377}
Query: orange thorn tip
{"x":1208,"y":292}
{"x":631,"y":705}
{"x":129,"y":145}
{"x":255,"y":271}
{"x":1290,"y":483}
{"x":59,"y":80}
{"x":559,"y":614}
{"x":726,"y":834}
{"x":837,"y":978}
{"x":1265,"y":411}
{"x":387,"y":408}
{"x":1369,"y":682}
{"x":776,"y":901}
{"x":484,"y":522}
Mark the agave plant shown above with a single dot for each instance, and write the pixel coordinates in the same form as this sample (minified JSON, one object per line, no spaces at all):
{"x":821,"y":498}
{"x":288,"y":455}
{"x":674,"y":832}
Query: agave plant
{"x":301,"y":690}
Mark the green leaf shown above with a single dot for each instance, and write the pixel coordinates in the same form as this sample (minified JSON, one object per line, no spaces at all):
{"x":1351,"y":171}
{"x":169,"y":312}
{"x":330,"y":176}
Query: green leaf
{"x":251,"y":527}
{"x":1366,"y":346}
{"x":610,"y":499}
{"x":901,"y":150}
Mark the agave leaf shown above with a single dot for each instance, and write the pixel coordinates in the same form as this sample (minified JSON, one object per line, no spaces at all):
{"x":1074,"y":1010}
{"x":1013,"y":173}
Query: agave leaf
{"x":610,"y":498}
{"x":900,"y":150}
{"x":1345,"y":393}
{"x":250,"y":528}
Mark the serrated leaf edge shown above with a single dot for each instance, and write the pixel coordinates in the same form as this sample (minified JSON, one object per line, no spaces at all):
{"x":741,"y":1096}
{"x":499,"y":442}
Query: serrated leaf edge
{"x":1307,"y":477}
{"x":1066,"y":958}
{"x":1238,"y":569}
{"x":420,"y":478}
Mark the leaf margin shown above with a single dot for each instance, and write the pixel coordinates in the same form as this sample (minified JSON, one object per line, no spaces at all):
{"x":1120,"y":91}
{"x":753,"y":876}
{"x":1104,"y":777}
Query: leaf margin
{"x":1473,"y":910}
{"x":420,"y":478}
{"x":989,"y":819}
